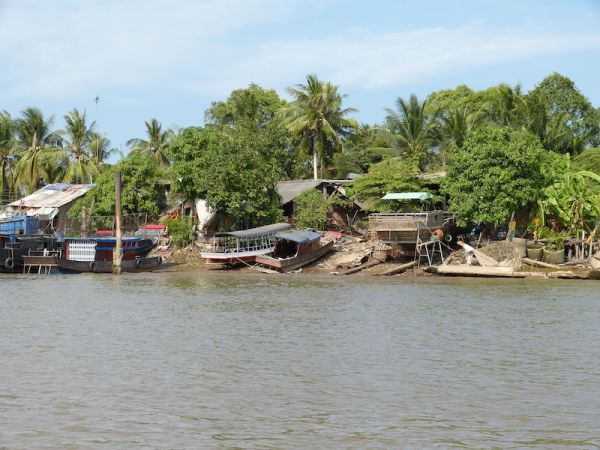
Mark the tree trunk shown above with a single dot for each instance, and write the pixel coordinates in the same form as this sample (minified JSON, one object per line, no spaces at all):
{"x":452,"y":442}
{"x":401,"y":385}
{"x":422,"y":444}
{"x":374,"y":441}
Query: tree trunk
{"x":315,"y":163}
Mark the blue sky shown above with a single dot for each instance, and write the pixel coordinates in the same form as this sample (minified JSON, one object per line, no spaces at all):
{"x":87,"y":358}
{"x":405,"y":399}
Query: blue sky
{"x":171,"y":59}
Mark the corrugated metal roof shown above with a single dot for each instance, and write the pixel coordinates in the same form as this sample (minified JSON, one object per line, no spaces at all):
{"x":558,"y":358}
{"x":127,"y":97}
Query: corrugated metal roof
{"x":289,"y":190}
{"x":300,"y":236}
{"x":53,"y":196}
{"x":259,"y":231}
{"x":407,"y":196}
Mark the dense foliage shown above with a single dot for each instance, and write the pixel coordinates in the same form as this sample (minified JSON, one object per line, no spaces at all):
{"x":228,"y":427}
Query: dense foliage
{"x":499,"y":147}
{"x":495,"y":173}
{"x":311,"y":210}
{"x":390,"y":175}
{"x":142,"y":190}
{"x":180,"y":230}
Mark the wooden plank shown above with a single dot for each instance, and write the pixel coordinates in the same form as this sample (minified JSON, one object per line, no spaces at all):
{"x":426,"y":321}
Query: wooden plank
{"x":362,"y":267}
{"x":533,"y":262}
{"x":400,"y":268}
{"x":480,"y":271}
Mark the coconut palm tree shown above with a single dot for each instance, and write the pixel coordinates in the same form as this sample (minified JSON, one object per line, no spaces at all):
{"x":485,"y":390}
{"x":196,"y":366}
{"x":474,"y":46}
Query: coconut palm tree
{"x":7,"y":151}
{"x":454,"y":127}
{"x":506,"y":106}
{"x":36,"y":141}
{"x":80,"y":167}
{"x":99,"y":148}
{"x":155,"y":144}
{"x":317,"y":118}
{"x":415,"y":130}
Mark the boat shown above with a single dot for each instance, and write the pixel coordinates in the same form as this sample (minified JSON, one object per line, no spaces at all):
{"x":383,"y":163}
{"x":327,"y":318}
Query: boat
{"x":238,"y":247}
{"x":294,"y":249}
{"x":19,"y":238}
{"x":95,"y":254}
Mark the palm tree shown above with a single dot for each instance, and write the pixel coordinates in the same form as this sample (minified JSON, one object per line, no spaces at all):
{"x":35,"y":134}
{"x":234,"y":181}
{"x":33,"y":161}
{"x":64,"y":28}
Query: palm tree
{"x":316,"y":117}
{"x":99,"y":148}
{"x":156,"y":143}
{"x":7,"y":151}
{"x":415,"y":130}
{"x":455,"y":125}
{"x":506,"y":106}
{"x":80,"y":167}
{"x":37,"y":141}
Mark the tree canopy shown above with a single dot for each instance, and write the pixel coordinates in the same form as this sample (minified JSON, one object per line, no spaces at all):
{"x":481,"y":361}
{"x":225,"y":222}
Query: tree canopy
{"x":495,"y":173}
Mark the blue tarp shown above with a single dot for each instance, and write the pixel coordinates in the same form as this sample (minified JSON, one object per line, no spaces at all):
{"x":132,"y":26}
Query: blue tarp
{"x":300,"y":236}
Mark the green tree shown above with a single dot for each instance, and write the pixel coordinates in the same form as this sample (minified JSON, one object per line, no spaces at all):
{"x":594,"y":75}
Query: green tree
{"x":80,"y":167}
{"x":7,"y":152}
{"x":311,"y":210}
{"x":142,"y":189}
{"x":39,"y":145}
{"x":100,"y":149}
{"x":233,"y":168}
{"x":257,"y":107}
{"x":505,"y":105}
{"x":495,"y":173}
{"x":156,"y":142}
{"x":414,"y":129}
{"x":565,"y":103}
{"x":588,"y":160}
{"x":390,"y":175}
{"x":317,"y":118}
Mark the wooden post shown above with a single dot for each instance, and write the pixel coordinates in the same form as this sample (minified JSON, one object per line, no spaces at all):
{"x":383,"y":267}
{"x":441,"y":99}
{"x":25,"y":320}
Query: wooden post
{"x":118,"y":252}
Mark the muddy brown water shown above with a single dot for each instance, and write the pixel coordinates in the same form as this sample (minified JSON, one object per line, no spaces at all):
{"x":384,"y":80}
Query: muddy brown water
{"x":219,"y":360}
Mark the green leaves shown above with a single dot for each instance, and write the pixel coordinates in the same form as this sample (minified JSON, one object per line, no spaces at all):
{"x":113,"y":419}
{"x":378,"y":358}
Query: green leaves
{"x":496,"y":172}
{"x":317,"y":119}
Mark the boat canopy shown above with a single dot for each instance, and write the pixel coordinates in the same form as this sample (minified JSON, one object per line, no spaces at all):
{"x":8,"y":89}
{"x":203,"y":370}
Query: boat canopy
{"x":255,"y":232}
{"x":300,"y":236}
{"x":407,"y":196}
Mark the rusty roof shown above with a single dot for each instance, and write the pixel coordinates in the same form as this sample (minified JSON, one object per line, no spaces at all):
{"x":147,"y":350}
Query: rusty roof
{"x":53,"y":196}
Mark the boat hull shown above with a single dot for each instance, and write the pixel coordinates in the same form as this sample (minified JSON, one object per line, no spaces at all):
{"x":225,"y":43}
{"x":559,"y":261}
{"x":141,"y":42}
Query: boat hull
{"x":234,"y":258}
{"x":295,"y":262}
{"x":131,"y":265}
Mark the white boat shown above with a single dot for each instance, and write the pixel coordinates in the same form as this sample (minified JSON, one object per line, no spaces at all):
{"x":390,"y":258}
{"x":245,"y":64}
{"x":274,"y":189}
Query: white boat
{"x":235,"y":247}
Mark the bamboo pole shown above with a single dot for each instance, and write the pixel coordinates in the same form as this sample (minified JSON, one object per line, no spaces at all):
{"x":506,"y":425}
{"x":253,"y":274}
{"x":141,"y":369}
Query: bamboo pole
{"x":118,"y":252}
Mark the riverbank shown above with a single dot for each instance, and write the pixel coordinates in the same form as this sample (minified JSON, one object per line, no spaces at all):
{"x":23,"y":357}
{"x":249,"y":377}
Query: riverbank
{"x":188,"y":260}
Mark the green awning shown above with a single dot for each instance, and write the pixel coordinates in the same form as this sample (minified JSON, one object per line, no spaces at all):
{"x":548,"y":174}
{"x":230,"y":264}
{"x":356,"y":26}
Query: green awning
{"x":407,"y":196}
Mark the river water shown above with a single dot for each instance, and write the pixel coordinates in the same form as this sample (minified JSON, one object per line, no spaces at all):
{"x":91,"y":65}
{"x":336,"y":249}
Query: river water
{"x":222,"y":360}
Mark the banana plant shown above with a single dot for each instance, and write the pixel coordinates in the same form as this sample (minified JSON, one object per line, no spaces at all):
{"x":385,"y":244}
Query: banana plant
{"x":572,"y":202}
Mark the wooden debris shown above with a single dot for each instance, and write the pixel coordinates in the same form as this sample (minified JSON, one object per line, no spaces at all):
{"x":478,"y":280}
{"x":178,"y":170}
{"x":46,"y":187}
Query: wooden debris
{"x":361,"y":267}
{"x":533,"y":262}
{"x":398,"y":269}
{"x":481,"y":271}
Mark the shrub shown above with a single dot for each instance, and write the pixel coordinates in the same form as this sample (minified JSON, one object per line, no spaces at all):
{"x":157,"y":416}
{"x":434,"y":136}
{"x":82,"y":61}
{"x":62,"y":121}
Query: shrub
{"x":180,"y":230}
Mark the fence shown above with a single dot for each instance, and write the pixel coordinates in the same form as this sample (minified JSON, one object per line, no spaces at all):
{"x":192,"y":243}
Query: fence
{"x":76,"y":228}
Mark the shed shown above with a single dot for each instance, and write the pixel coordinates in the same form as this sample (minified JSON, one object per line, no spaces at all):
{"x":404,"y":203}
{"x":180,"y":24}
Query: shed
{"x":50,"y":203}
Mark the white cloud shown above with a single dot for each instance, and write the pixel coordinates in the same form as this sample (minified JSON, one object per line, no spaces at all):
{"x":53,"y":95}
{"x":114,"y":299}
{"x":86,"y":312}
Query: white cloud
{"x":376,"y":60}
{"x":54,"y":49}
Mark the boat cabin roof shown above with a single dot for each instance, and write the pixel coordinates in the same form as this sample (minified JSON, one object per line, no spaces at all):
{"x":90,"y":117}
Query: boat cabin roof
{"x":254,"y":232}
{"x":423,"y":196}
{"x":300,"y":236}
{"x":103,"y":239}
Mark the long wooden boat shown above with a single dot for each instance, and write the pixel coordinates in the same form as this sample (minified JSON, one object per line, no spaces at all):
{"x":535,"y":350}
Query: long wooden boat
{"x":294,"y":250}
{"x":96,"y":255}
{"x":235,"y":247}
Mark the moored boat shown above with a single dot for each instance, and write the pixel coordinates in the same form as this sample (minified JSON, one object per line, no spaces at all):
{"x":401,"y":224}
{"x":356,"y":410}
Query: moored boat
{"x":96,"y":255}
{"x":294,"y":249}
{"x":18,"y":238}
{"x":238,"y":247}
